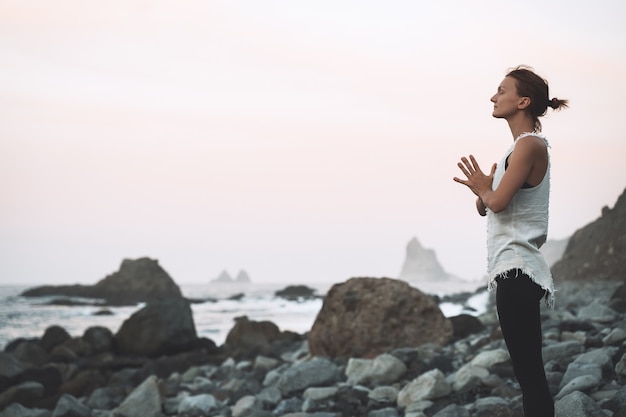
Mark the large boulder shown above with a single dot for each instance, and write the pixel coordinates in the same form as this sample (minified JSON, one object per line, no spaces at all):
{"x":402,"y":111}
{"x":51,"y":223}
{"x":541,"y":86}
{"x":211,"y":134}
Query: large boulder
{"x":598,"y":250}
{"x":162,"y":327}
{"x":364,"y":317}
{"x":139,"y":280}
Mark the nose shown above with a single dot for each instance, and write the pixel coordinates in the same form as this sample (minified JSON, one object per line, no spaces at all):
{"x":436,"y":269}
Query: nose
{"x":493,"y":98}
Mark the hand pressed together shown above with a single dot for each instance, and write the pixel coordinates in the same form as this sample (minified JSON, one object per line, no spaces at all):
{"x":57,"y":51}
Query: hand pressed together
{"x":476,"y":180}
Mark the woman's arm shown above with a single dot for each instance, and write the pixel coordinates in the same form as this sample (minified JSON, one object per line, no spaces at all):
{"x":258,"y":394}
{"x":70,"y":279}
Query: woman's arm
{"x":528,"y":159}
{"x":480,"y":206}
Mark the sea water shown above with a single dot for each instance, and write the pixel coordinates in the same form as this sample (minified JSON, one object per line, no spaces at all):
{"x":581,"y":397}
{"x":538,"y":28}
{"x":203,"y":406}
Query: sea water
{"x":28,"y":317}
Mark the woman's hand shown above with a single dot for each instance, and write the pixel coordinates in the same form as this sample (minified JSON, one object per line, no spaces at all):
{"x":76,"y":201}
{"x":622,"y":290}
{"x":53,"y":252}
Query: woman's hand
{"x":476,"y":180}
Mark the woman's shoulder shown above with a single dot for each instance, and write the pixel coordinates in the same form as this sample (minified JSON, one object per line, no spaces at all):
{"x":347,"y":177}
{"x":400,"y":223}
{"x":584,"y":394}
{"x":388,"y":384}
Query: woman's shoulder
{"x":533,"y":139}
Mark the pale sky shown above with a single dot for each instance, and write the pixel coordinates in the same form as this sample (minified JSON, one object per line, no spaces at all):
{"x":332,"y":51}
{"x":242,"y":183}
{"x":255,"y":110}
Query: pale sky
{"x":300,"y":141}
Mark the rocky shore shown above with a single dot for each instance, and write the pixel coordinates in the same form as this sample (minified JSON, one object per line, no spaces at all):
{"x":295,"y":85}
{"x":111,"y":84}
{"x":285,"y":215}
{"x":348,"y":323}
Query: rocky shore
{"x":262,"y":372}
{"x":378,"y":348}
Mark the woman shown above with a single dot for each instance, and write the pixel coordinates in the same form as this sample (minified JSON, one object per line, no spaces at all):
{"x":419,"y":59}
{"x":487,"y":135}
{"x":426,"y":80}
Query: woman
{"x":514,"y":197}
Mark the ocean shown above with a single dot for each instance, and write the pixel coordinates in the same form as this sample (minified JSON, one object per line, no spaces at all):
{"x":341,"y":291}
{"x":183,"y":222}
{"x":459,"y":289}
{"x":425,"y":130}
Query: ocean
{"x":29,"y":317}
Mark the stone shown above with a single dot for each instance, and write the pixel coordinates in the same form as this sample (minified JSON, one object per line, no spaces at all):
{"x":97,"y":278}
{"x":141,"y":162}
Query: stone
{"x":561,"y":350}
{"x":598,"y":312}
{"x":245,"y":406}
{"x":197,"y":405}
{"x":428,"y":386}
{"x":615,"y":337}
{"x":452,"y":410}
{"x":384,"y":369}
{"x":383,"y":412}
{"x":18,"y":410}
{"x":10,"y":365}
{"x":143,"y":401}
{"x":138,"y":280}
{"x":31,"y":353}
{"x":465,"y":325}
{"x":577,"y":404}
{"x":163,"y":327}
{"x":575,"y":370}
{"x":99,"y":338}
{"x":489,"y":358}
{"x":583,"y":383}
{"x":104,"y":398}
{"x":384,"y":394}
{"x":296,"y":293}
{"x":365,"y":317}
{"x":25,"y":393}
{"x":492,"y":407}
{"x":249,"y":338}
{"x":319,"y":393}
{"x":468,"y":377}
{"x":68,"y":406}
{"x":311,"y":373}
{"x":54,"y":336}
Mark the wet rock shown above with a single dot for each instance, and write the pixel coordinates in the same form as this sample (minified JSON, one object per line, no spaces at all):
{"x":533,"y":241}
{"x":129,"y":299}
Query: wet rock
{"x":54,"y":336}
{"x":296,"y":293}
{"x":428,"y":386}
{"x":577,"y":404}
{"x":99,"y":338}
{"x":25,"y":393}
{"x":197,"y":405}
{"x":162,"y":327}
{"x":465,"y":325}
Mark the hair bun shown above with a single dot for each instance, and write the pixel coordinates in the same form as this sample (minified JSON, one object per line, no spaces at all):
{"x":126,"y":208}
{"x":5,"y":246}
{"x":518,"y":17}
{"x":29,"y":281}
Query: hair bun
{"x":553,"y":103}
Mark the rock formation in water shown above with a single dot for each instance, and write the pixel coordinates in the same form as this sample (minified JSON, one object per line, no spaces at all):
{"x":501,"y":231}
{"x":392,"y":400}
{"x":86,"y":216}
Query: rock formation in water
{"x":421,"y":264}
{"x":138,"y":280}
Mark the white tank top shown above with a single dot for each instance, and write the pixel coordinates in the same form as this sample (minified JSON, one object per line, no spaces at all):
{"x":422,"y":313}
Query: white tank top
{"x":515,"y":234}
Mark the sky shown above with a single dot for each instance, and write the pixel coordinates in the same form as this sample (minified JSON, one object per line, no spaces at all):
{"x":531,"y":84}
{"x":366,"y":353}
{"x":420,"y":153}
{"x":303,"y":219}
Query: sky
{"x":300,"y":141}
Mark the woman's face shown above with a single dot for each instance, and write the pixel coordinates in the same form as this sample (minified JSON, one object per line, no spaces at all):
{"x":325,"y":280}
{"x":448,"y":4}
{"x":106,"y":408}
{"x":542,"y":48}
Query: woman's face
{"x":506,"y":101}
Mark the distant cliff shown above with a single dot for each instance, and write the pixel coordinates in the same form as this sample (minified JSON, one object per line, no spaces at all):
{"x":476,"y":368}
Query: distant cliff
{"x":598,"y":250}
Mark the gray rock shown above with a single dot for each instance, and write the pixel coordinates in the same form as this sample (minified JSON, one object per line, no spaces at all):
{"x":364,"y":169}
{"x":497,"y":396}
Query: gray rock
{"x":383,"y":412}
{"x":99,"y":338}
{"x":144,"y":401}
{"x":310,"y":373}
{"x":452,"y":410}
{"x":68,"y":406}
{"x":104,"y":399}
{"x":384,"y":394}
{"x":269,"y":396}
{"x":197,"y":405}
{"x":597,"y":311}
{"x":582,"y":383}
{"x":10,"y":365}
{"x":468,"y":377}
{"x":319,"y":393}
{"x":428,"y":386}
{"x":18,"y":410}
{"x":575,"y":370}
{"x":577,"y":404}
{"x":246,"y":406}
{"x":31,"y":353}
{"x":615,"y":337}
{"x":489,"y":358}
{"x":384,"y":369}
{"x":562,"y":350}
{"x":160,"y":328}
{"x":23,"y":393}
{"x":290,"y":405}
{"x":492,"y":407}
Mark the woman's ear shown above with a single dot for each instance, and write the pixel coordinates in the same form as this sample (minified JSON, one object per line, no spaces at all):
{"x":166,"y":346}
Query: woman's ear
{"x":524,"y":102}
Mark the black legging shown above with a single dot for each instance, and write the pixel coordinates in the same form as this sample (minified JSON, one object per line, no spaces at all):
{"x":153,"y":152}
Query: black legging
{"x":518,"y":301}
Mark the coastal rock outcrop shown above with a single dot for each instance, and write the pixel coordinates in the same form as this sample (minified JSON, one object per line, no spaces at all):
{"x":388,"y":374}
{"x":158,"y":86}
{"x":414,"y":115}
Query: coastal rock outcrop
{"x":421,"y":264}
{"x":598,"y":250}
{"x":364,"y":317}
{"x":138,"y":280}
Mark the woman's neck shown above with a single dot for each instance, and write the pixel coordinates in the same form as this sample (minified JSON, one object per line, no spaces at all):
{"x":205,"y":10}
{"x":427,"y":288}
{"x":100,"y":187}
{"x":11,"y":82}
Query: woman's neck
{"x":521,"y":123}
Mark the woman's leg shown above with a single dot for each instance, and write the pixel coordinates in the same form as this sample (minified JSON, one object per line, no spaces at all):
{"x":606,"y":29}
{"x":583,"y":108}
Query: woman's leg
{"x":518,"y":302}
